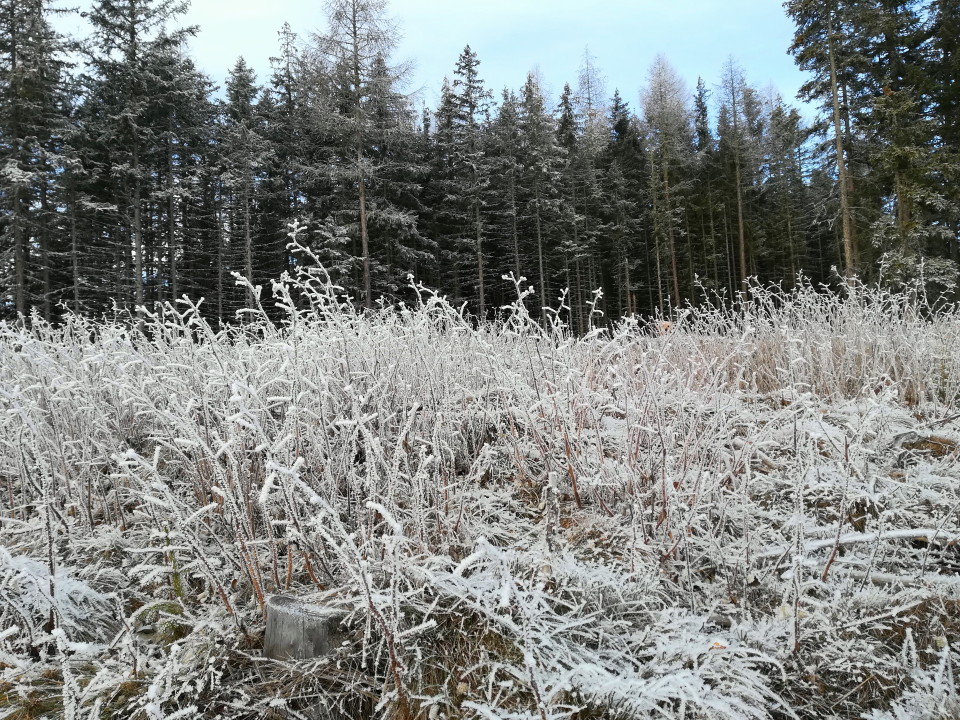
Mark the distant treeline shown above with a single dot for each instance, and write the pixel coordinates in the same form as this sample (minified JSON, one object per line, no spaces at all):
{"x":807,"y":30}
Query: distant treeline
{"x":126,"y":179}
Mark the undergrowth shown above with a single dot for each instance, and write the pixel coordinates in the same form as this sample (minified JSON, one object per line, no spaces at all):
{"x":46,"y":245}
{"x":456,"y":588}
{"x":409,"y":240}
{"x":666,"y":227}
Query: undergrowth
{"x":739,"y":514}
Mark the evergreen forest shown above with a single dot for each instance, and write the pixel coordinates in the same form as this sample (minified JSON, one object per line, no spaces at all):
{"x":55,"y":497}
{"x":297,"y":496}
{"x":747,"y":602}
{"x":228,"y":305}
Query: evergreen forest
{"x":129,"y":178}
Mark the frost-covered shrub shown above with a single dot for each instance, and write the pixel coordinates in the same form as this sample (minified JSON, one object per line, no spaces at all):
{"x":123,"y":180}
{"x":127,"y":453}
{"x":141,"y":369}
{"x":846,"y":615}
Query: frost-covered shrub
{"x":32,"y":597}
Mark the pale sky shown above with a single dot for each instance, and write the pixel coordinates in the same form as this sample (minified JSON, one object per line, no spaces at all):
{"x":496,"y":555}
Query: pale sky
{"x":512,"y":37}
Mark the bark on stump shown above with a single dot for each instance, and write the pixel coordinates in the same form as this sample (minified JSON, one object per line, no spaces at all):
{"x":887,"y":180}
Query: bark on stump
{"x":298,"y":630}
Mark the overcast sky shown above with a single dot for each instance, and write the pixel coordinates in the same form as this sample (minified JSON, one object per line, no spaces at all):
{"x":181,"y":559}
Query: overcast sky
{"x":512,"y":37}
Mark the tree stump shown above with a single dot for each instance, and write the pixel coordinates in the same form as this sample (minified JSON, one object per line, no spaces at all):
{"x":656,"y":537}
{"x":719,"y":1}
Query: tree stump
{"x":299,"y":630}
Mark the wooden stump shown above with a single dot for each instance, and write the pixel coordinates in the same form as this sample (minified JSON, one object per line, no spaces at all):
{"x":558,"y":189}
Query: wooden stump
{"x":298,"y":630}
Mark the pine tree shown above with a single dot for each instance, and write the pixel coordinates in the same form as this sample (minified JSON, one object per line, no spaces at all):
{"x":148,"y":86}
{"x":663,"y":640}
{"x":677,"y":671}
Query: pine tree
{"x":822,"y":46}
{"x":899,"y":128}
{"x":32,"y":124}
{"x":945,"y":88}
{"x":246,"y":153}
{"x":503,"y":155}
{"x":671,"y":149}
{"x":130,"y":40}
{"x":359,"y":34}
{"x":732,"y":141}
{"x":471,"y":113}
{"x":539,"y":161}
{"x":623,"y":170}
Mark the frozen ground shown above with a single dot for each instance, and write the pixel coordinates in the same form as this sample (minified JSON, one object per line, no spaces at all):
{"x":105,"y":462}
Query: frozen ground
{"x":745,"y":516}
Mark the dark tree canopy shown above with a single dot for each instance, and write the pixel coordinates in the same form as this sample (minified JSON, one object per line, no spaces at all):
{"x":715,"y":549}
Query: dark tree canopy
{"x":130,"y":179}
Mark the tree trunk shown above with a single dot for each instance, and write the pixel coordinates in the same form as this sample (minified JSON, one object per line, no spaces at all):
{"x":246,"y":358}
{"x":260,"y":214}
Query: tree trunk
{"x":849,"y":246}
{"x":219,"y":218}
{"x":738,"y":181}
{"x":247,"y":245}
{"x":578,"y":293}
{"x":671,"y":243}
{"x":480,"y":290}
{"x":19,"y":255}
{"x":171,"y":221}
{"x":137,"y":234}
{"x":628,"y":287}
{"x":513,"y":225}
{"x":741,"y":231}
{"x":16,"y":221}
{"x":543,"y":274}
{"x":365,"y":248}
{"x":74,"y":256}
{"x":44,"y":237}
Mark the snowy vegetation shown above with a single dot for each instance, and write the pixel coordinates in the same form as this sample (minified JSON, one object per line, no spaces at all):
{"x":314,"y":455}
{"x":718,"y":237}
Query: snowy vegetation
{"x":736,"y":514}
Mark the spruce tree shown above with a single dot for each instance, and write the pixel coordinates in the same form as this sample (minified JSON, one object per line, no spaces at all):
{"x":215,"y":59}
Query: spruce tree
{"x":540,"y":162}
{"x":295,"y":185}
{"x":359,"y":35}
{"x":246,"y":153}
{"x":702,"y":203}
{"x":822,"y":46}
{"x":622,"y":166}
{"x":504,"y":158}
{"x":130,"y":40}
{"x":32,"y":125}
{"x":399,"y":247}
{"x":945,"y":89}
{"x":670,"y":144}
{"x":900,"y":129}
{"x":461,"y":176}
{"x":734,"y":140}
{"x":471,"y":114}
{"x":571,"y":245}
{"x":786,"y":255}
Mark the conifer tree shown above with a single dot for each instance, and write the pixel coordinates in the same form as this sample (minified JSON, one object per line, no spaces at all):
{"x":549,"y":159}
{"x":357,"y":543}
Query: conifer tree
{"x":182,"y":114}
{"x":246,"y":153}
{"x":504,"y":218}
{"x":734,"y":139}
{"x":296,"y":184}
{"x":471,"y":113}
{"x":571,"y":245}
{"x":539,"y":160}
{"x":401,"y":249}
{"x":462,"y":174}
{"x":786,"y":255}
{"x":821,"y":46}
{"x":945,"y":89}
{"x":623,"y":173}
{"x":130,"y":39}
{"x":359,"y":35}
{"x":592,"y":105}
{"x":702,"y":201}
{"x":32,"y":124}
{"x":670,"y":143}
{"x":899,"y":128}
